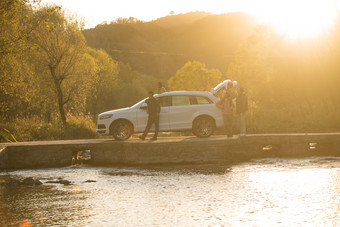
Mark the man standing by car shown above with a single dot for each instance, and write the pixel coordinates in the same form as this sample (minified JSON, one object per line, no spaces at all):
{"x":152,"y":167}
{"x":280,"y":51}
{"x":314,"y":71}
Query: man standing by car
{"x":153,"y":109}
{"x":160,"y":88}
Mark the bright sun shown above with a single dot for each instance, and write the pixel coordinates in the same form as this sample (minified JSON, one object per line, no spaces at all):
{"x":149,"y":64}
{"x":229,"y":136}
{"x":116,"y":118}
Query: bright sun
{"x":297,"y":18}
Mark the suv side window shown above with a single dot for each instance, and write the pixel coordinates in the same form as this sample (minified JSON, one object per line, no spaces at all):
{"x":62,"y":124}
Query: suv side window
{"x":203,"y":100}
{"x":180,"y":100}
{"x":164,"y":101}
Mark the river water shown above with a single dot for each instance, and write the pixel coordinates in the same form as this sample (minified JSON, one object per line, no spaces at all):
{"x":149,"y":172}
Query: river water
{"x":266,"y":192}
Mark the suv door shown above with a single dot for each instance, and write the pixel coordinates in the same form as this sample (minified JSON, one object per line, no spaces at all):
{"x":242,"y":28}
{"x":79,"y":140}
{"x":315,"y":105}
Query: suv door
{"x":207,"y":107}
{"x":142,"y":116}
{"x":181,"y":112}
{"x":164,"y":102}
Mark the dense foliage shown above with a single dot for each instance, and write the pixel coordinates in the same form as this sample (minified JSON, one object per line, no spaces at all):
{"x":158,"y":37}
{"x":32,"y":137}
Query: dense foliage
{"x":293,"y":85}
{"x":49,"y":74}
{"x":204,"y":79}
{"x":56,"y":77}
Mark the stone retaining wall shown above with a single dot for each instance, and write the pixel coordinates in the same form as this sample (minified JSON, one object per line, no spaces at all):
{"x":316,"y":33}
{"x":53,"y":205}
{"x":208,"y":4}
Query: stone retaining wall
{"x":215,"y":149}
{"x":167,"y":150}
{"x":19,"y":157}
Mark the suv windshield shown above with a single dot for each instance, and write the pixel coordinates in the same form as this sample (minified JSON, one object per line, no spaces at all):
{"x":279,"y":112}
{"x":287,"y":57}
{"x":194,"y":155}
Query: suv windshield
{"x":140,"y":102}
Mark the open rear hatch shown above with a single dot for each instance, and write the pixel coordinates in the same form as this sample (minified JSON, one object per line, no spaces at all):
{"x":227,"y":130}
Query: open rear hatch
{"x":227,"y":84}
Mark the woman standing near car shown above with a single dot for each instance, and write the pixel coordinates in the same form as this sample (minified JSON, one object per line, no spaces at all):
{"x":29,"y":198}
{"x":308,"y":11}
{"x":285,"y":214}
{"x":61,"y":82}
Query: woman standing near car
{"x":227,"y":106}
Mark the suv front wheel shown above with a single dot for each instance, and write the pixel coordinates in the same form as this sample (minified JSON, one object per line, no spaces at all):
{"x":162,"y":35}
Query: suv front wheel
{"x":203,"y":127}
{"x":121,"y":130}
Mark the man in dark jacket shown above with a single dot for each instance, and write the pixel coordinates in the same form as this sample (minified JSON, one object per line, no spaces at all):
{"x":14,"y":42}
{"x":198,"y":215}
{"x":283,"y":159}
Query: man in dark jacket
{"x":241,"y":109}
{"x":153,"y":110}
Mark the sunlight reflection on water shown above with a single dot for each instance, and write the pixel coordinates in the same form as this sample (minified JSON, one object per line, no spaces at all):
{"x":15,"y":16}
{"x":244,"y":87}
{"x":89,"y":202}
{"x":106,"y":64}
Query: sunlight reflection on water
{"x":266,"y":192}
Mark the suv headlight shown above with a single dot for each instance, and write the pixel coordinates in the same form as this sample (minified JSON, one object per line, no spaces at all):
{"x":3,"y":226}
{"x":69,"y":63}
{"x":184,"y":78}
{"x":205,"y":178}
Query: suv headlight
{"x":105,"y":116}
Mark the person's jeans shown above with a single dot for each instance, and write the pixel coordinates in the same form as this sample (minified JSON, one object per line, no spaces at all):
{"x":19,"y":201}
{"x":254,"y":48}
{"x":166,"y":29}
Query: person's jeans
{"x":154,"y":119}
{"x":242,"y":120}
{"x":228,"y":124}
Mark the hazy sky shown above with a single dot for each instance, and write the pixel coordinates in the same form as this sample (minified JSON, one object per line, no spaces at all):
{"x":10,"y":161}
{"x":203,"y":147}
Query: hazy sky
{"x":291,"y":16}
{"x":98,"y":11}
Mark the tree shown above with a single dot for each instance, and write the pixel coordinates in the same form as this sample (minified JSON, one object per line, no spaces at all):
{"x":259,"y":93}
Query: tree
{"x":131,"y":87}
{"x":17,"y":22}
{"x":255,"y":68}
{"x":102,"y":81}
{"x":130,"y":20}
{"x":14,"y":90}
{"x":291,"y":85}
{"x":60,"y":51}
{"x":194,"y":76}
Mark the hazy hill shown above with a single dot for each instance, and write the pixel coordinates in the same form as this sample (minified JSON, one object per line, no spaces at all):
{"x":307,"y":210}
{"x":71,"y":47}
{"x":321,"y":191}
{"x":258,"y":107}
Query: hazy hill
{"x":161,"y":47}
{"x":180,"y":20}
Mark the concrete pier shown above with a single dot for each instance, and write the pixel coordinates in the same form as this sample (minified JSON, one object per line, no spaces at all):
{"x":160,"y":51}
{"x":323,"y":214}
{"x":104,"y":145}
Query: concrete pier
{"x":169,"y":150}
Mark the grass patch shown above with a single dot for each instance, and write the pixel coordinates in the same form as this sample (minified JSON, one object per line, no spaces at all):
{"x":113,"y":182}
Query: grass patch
{"x":36,"y":129}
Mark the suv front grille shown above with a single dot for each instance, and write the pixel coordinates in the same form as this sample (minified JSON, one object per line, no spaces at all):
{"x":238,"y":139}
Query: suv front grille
{"x":101,"y":126}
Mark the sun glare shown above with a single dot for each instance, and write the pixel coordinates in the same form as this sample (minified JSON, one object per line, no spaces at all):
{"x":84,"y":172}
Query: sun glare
{"x":294,"y":18}
{"x":297,"y":18}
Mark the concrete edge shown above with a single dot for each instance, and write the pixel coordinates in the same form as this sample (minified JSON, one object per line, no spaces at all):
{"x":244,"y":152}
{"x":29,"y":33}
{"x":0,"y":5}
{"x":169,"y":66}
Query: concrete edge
{"x":3,"y":157}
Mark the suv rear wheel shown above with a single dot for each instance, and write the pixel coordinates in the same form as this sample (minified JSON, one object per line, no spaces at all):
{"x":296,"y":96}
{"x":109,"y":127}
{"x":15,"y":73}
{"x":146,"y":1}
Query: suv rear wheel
{"x":203,"y":127}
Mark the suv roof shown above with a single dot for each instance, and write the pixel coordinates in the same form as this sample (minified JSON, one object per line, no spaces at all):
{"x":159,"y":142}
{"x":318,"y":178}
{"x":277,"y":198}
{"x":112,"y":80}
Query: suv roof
{"x":184,"y":93}
{"x":227,"y":84}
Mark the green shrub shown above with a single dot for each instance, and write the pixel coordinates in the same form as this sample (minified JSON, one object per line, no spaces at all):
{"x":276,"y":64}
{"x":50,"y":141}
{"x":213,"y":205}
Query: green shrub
{"x":35,"y":129}
{"x":6,"y":136}
{"x":76,"y":129}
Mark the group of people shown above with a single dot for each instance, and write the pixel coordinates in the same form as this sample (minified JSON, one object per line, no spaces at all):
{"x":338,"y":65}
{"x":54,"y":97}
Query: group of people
{"x":225,"y":103}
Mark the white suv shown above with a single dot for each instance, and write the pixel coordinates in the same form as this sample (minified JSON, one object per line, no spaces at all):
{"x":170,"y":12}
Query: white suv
{"x":180,"y":111}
